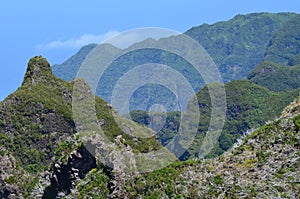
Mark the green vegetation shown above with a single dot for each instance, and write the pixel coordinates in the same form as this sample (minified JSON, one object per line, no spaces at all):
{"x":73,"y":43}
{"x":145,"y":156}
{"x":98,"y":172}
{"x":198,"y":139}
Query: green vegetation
{"x":228,"y":43}
{"x":284,"y":46}
{"x":276,"y":77}
{"x":43,"y":152}
{"x":239,"y":44}
{"x":95,"y":185}
{"x":158,"y":183}
{"x":248,"y":107}
{"x":36,"y":115}
{"x":37,"y":124}
{"x":268,"y":154}
{"x":39,"y":114}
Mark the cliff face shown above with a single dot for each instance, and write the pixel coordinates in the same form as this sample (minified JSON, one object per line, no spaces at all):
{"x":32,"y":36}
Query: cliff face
{"x":35,"y":117}
{"x":42,"y":152}
{"x":33,"y":120}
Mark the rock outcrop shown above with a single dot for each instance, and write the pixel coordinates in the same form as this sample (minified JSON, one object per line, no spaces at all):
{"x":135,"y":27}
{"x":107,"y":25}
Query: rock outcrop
{"x":63,"y":175}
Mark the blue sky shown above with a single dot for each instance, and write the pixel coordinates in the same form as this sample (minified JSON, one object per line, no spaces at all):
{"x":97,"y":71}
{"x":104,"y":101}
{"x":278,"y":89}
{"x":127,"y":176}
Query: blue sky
{"x":57,"y":29}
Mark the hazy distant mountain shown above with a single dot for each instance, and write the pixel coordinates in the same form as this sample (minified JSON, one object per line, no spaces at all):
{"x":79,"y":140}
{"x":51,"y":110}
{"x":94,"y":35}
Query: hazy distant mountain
{"x":281,"y":68}
{"x":236,"y":46}
{"x":68,"y":70}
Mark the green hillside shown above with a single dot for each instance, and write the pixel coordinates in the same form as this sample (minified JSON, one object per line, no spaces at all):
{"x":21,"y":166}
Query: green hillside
{"x":60,"y":140}
{"x":284,"y":45}
{"x":43,"y":155}
{"x":248,"y":106}
{"x":227,"y":42}
{"x":38,"y":129}
{"x":239,"y":44}
{"x":236,"y":46}
{"x":276,"y":77}
{"x":264,"y":165}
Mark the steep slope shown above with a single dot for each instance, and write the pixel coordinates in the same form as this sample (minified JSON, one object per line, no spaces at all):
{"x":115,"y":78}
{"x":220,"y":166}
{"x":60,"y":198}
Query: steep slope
{"x":284,"y":47}
{"x":68,"y":69}
{"x":265,"y":164}
{"x":228,"y":43}
{"x":14,"y":180}
{"x":38,"y":132}
{"x":276,"y":77}
{"x":78,"y":163}
{"x":37,"y":115}
{"x":248,"y":106}
{"x":239,"y":44}
{"x":236,"y":46}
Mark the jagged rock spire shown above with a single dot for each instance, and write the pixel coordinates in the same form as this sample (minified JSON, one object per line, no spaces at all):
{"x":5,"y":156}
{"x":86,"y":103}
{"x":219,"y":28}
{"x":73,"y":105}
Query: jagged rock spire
{"x":38,"y":70}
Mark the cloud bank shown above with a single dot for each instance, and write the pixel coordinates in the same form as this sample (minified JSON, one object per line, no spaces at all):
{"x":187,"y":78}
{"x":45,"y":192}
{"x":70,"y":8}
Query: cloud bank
{"x":78,"y":42}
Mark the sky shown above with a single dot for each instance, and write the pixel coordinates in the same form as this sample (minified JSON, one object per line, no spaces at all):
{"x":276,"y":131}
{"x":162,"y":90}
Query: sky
{"x":57,"y":29}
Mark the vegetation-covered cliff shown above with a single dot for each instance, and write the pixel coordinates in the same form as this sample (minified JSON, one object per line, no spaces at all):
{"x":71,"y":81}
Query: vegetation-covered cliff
{"x":38,"y":131}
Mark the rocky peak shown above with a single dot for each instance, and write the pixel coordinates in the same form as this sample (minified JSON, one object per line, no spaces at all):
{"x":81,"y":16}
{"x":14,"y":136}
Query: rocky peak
{"x":38,"y":70}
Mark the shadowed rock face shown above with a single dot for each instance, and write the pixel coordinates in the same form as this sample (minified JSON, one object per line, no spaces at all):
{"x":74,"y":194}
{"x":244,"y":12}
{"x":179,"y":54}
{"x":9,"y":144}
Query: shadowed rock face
{"x":63,"y":176}
{"x":33,"y":120}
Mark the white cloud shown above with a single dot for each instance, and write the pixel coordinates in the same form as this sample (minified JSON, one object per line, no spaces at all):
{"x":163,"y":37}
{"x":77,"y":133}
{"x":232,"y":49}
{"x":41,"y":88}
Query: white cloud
{"x":119,"y":39}
{"x":78,"y":42}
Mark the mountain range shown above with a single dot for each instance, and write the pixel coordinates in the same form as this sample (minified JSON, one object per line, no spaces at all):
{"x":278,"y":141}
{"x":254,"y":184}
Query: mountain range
{"x":44,"y":156}
{"x":237,"y":46}
{"x":60,"y":140}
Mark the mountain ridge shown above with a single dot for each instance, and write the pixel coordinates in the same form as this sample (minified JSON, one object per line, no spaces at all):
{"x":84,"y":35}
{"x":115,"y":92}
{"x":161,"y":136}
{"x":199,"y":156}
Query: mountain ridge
{"x":38,"y":129}
{"x":51,"y":147}
{"x":236,"y":46}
